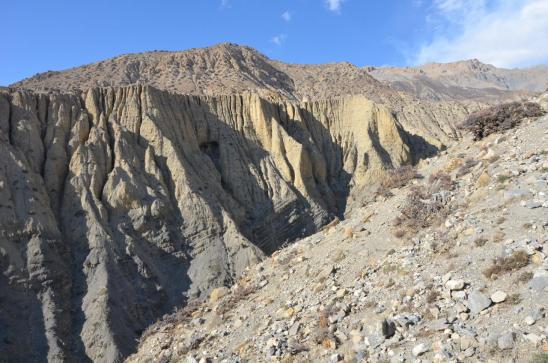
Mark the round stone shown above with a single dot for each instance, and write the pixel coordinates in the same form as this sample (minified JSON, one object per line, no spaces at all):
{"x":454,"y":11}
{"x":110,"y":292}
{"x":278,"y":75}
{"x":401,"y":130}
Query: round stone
{"x":498,"y":297}
{"x":455,"y":284}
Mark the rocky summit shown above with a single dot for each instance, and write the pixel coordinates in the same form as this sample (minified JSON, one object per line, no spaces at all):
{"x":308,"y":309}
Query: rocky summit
{"x":217,"y":205}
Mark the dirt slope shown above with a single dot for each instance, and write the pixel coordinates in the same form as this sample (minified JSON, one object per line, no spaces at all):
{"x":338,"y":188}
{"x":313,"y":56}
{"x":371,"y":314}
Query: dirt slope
{"x":119,"y":204}
{"x":139,"y":184}
{"x":469,"y":286}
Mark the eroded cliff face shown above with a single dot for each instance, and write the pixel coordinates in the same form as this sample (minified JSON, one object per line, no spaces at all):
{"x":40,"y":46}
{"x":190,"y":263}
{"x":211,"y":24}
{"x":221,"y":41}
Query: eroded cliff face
{"x":117,"y":205}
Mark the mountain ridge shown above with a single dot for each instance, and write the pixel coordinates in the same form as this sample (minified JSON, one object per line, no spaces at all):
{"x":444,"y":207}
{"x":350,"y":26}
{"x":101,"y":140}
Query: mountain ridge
{"x":230,"y":68}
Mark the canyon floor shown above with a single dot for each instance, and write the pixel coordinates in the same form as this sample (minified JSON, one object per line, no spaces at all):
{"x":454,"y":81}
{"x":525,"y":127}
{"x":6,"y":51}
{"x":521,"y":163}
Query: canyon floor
{"x":468,"y":285}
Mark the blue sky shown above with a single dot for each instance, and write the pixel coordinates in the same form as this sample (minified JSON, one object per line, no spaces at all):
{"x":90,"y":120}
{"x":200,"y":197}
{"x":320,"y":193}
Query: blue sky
{"x":42,"y":35}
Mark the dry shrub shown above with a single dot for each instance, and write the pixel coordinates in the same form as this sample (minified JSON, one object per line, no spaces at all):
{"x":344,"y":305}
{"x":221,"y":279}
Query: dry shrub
{"x":503,"y":178}
{"x":323,"y":320}
{"x":241,"y":293}
{"x":466,"y":166}
{"x":384,"y":192}
{"x":399,"y":233}
{"x":432,"y":296}
{"x":502,"y":265}
{"x":501,"y":117}
{"x":481,"y":241}
{"x":329,"y":342}
{"x":423,"y":209}
{"x":397,"y":178}
{"x":440,"y":181}
{"x":182,"y":315}
{"x":499,"y":236}
{"x":541,"y":357}
{"x":320,"y":335}
{"x":525,"y":277}
{"x":514,"y":299}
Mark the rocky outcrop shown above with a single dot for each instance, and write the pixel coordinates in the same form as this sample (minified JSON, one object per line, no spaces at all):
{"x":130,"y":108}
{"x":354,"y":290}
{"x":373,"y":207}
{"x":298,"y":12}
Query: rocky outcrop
{"x":119,"y":204}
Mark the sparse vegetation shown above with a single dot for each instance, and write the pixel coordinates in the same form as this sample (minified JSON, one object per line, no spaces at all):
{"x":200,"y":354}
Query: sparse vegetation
{"x":440,"y":181}
{"x":422,"y":209}
{"x":503,"y":178}
{"x":501,"y":117}
{"x":466,"y":166}
{"x":384,"y":192}
{"x":321,"y":335}
{"x":397,"y":178}
{"x":399,"y":233}
{"x":242,"y":292}
{"x":525,"y":277}
{"x":432,"y":296}
{"x":540,"y":358}
{"x":502,"y":265}
{"x":481,"y":241}
{"x":170,"y":320}
{"x":498,"y":237}
{"x":514,"y":299}
{"x":323,"y":319}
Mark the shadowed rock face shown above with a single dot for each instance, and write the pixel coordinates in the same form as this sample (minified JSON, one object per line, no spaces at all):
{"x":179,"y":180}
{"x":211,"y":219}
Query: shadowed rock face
{"x":117,"y":205}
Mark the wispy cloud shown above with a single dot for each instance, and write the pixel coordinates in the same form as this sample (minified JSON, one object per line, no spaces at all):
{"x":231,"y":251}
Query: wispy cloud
{"x":287,"y":16}
{"x":278,"y":39}
{"x":499,"y":32}
{"x":225,"y":4}
{"x":334,"y":5}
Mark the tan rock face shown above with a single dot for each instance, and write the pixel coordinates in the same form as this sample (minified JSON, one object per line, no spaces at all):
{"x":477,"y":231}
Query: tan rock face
{"x":217,"y":293}
{"x":117,"y":205}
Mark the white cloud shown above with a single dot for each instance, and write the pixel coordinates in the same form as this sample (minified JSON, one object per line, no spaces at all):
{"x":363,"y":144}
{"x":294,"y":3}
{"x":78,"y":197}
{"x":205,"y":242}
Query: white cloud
{"x":279,"y":39}
{"x":454,"y":5}
{"x":501,"y":32}
{"x":334,"y":5}
{"x":225,"y":4}
{"x":286,"y":15}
